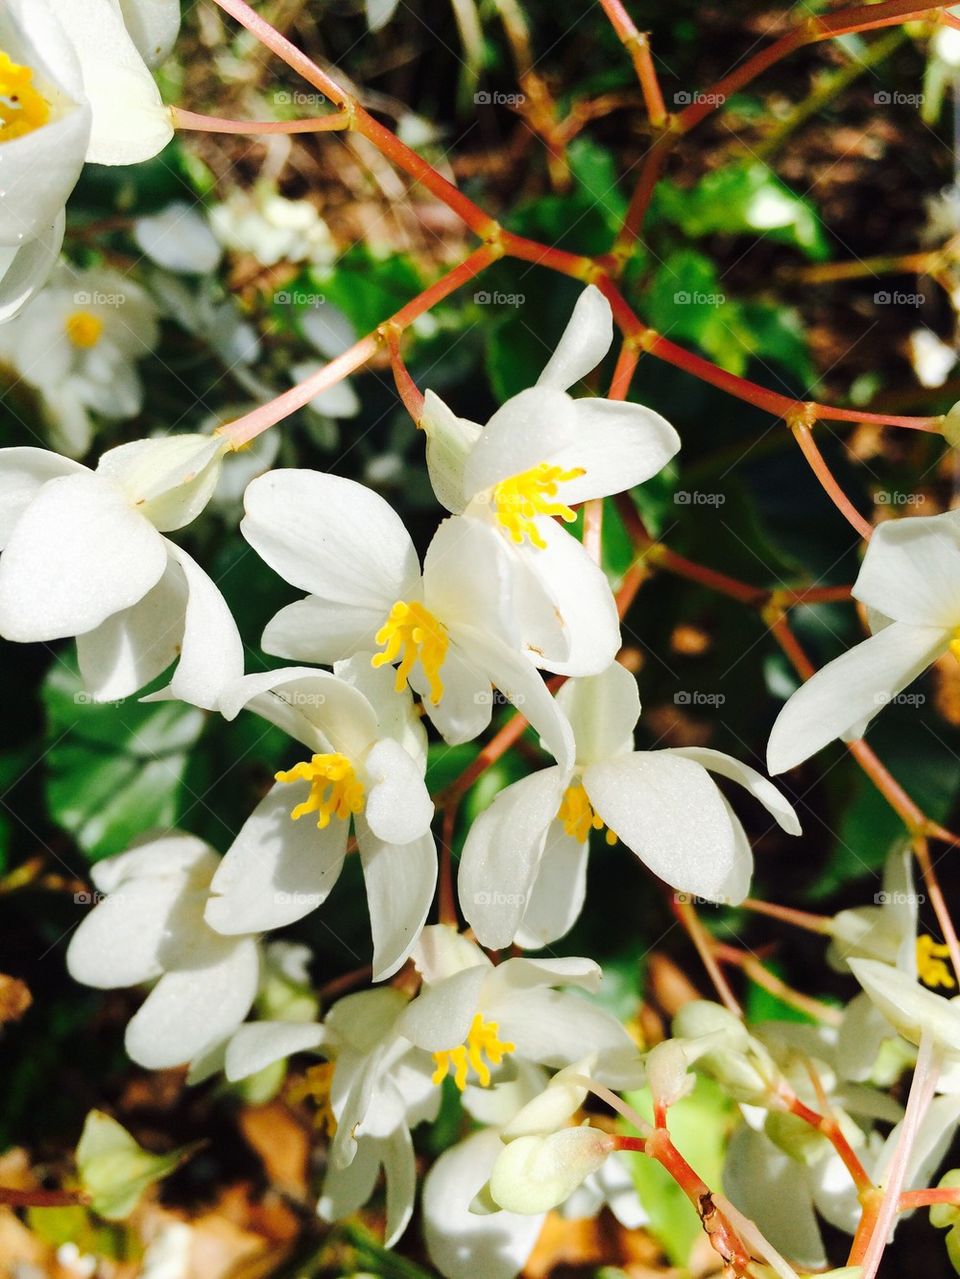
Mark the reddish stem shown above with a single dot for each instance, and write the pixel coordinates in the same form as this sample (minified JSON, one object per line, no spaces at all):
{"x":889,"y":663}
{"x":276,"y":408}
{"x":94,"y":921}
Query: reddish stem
{"x":215,"y":124}
{"x":407,"y":389}
{"x":818,"y":465}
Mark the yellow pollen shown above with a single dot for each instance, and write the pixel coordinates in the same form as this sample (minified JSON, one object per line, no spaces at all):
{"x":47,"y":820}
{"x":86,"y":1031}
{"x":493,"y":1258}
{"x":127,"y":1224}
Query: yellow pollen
{"x":22,"y":107}
{"x":576,"y":813}
{"x":334,"y":788}
{"x":482,"y":1039}
{"x":84,"y":329}
{"x":955,"y":644}
{"x":315,"y":1086}
{"x":931,"y":966}
{"x":521,"y":498}
{"x":410,"y":632}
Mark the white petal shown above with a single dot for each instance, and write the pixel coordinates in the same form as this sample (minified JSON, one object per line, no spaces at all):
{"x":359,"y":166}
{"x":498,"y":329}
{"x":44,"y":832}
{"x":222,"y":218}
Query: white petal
{"x":400,"y":1170}
{"x":911,"y":571}
{"x":584,"y":343}
{"x":736,"y":883}
{"x":578,"y":603}
{"x":189,"y":1011}
{"x":466,"y":706}
{"x":520,"y":683}
{"x":76,"y":555}
{"x":449,"y":442}
{"x":169,"y":479}
{"x":440,"y":1016}
{"x":557,"y":894}
{"x":23,"y":473}
{"x":118,"y":942}
{"x":398,"y":808}
{"x":348,"y":1187}
{"x":25,"y":268}
{"x":557,"y":1029}
{"x":331,"y":537}
{"x":323,"y":631}
{"x":603,"y":711}
{"x":153,"y":26}
{"x":174,"y":854}
{"x":461,"y":1244}
{"x":130,"y":123}
{"x":40,"y":170}
{"x":468,"y":578}
{"x":134,"y":646}
{"x":328,"y":329}
{"x":323,"y":712}
{"x":526,"y":431}
{"x":759,"y":787}
{"x":670,"y":813}
{"x":277,"y":869}
{"x":442,"y":951}
{"x":397,"y":716}
{"x":769,"y":1187}
{"x":178,"y":238}
{"x":211,"y":655}
{"x":850,"y":690}
{"x":400,"y":881}
{"x":501,"y":856}
{"x":261,"y":1043}
{"x":617,"y":445}
{"x":909,"y":1007}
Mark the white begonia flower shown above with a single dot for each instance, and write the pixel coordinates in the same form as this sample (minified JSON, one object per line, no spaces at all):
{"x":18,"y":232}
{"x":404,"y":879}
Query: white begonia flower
{"x":150,"y":928}
{"x":474,"y":1017}
{"x":84,"y":555}
{"x":451,"y":628}
{"x":539,"y":455}
{"x":77,"y":343}
{"x":272,"y":228}
{"x":179,"y":239}
{"x":931,"y":357}
{"x":366,"y":762}
{"x":523,"y":868}
{"x":909,"y":582}
{"x":911,"y":1009}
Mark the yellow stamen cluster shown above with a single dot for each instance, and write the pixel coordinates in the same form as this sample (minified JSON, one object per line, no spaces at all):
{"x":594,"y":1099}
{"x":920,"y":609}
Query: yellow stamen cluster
{"x":315,"y":1086}
{"x":931,"y":963}
{"x":483,"y":1039}
{"x":22,"y":107}
{"x":84,"y":329}
{"x":578,"y":816}
{"x":410,"y":632}
{"x":335,"y":790}
{"x":955,"y":644}
{"x":521,"y":498}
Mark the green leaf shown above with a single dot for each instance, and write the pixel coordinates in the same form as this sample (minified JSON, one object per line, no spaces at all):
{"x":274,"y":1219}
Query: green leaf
{"x":78,"y":1226}
{"x":114,"y":771}
{"x":114,"y":1170}
{"x":744,"y":199}
{"x":699,"y":1127}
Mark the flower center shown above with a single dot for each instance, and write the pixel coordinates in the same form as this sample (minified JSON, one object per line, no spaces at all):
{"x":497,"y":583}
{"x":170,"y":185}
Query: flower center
{"x":578,"y":816}
{"x":931,"y":963}
{"x":521,"y":498}
{"x":482,"y":1040}
{"x":22,"y":107}
{"x":955,"y":644}
{"x":335,"y":790}
{"x":84,"y":329}
{"x":410,"y":632}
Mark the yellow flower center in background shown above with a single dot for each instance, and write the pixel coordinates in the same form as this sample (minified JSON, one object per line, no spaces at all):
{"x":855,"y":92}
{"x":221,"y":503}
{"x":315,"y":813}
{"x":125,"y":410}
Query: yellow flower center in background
{"x":84,"y":329}
{"x":22,"y":107}
{"x":410,"y":632}
{"x":521,"y":498}
{"x":482,"y":1040}
{"x":955,"y":644}
{"x":315,"y":1086}
{"x":931,"y":963}
{"x":334,"y":788}
{"x":578,"y":817}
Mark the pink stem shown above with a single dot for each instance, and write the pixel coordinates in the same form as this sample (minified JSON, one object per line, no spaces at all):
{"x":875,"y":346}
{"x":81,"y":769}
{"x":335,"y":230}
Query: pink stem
{"x":216,"y":124}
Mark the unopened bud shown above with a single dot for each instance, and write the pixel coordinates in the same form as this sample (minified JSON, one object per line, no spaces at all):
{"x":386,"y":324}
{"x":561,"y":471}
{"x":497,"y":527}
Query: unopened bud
{"x":535,"y":1174}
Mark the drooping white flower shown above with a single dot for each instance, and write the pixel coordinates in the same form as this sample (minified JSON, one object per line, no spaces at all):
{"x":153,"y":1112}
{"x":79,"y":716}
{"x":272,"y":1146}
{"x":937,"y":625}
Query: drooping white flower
{"x":150,"y":928}
{"x":77,"y":343}
{"x":84,"y":555}
{"x":911,"y":1009}
{"x":523,"y":869}
{"x":272,"y":228}
{"x":539,"y":455}
{"x":910,"y":584}
{"x":74,"y":88}
{"x":452,"y":627}
{"x":366,"y":762}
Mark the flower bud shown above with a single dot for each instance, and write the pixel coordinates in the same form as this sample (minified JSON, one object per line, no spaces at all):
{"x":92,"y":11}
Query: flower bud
{"x":535,"y":1174}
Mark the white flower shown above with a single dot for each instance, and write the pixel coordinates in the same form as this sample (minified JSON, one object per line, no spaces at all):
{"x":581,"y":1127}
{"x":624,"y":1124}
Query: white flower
{"x":910,"y":584}
{"x":150,"y":928}
{"x":911,"y":1009}
{"x":75,"y":89}
{"x":366,"y":760}
{"x":77,"y":342}
{"x":475,"y":1018}
{"x":272,"y":228}
{"x":330,"y":332}
{"x":539,"y":455}
{"x":153,"y":26}
{"x":932,"y":358}
{"x":179,"y":239}
{"x":84,"y":555}
{"x":452,"y":628}
{"x":523,"y":869}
